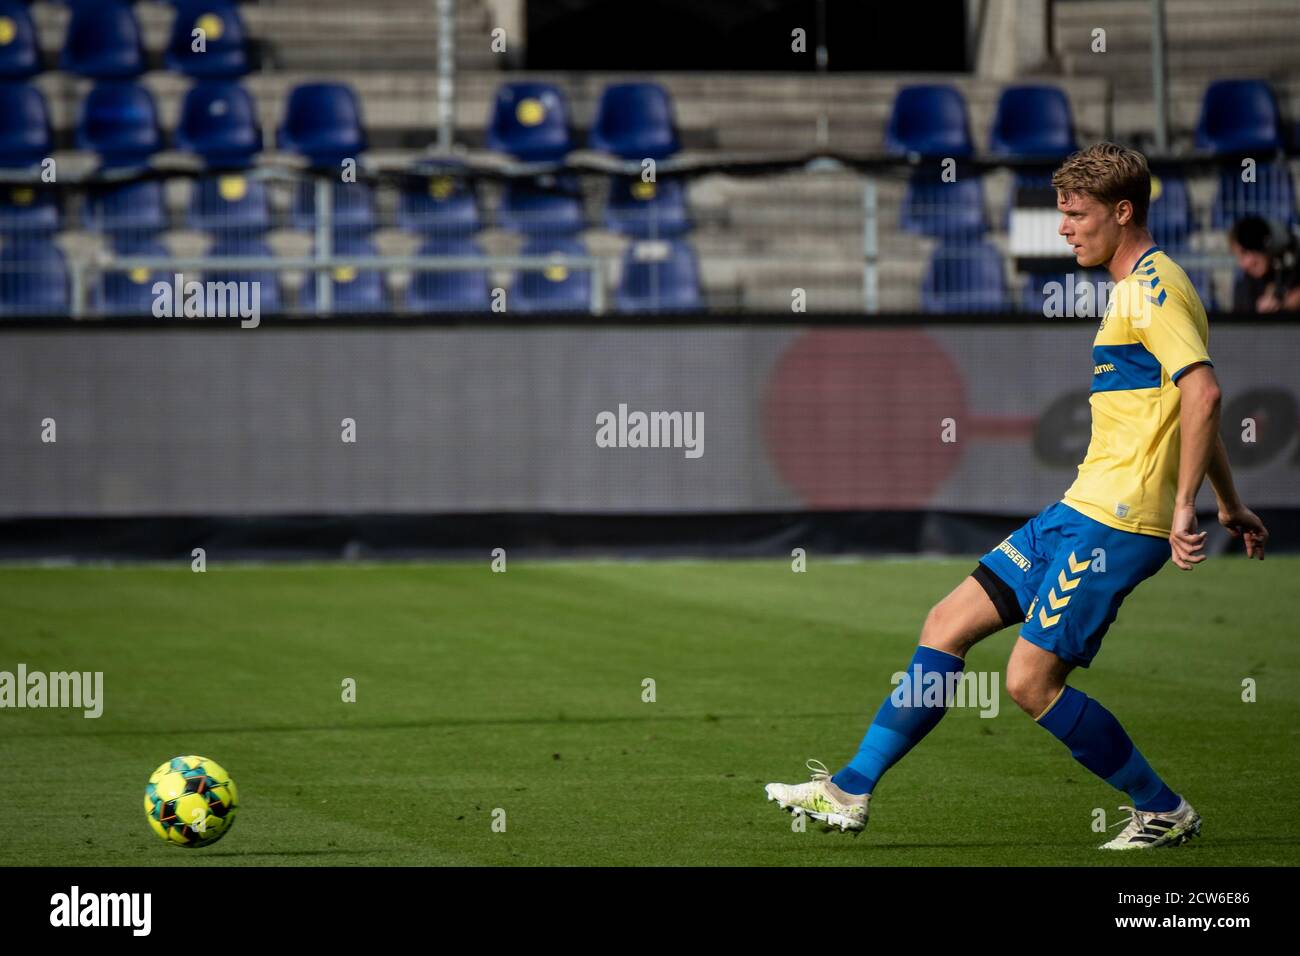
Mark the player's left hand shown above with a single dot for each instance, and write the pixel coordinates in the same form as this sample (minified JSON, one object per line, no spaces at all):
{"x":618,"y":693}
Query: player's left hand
{"x":1243,"y":523}
{"x":1185,"y":542}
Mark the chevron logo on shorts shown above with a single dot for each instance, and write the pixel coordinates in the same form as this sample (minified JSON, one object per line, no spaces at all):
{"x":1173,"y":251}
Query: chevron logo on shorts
{"x":1066,"y":585}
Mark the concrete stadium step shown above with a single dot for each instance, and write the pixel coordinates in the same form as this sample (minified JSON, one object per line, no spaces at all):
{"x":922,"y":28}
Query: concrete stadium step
{"x":358,"y":38}
{"x":1183,"y":18}
{"x":336,"y":35}
{"x":1267,"y":55}
{"x":1202,"y":36}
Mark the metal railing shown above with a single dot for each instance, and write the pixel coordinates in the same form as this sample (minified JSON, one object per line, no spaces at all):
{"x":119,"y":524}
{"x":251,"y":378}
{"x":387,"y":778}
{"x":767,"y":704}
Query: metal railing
{"x":84,"y":274}
{"x":856,"y":238}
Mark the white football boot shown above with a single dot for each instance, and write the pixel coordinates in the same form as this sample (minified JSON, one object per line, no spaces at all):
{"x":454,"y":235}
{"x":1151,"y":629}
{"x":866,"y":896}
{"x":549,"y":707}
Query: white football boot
{"x":818,"y":800}
{"x":1148,"y":829}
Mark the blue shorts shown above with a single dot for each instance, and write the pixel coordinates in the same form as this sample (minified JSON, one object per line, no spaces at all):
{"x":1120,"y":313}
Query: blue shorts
{"x":1065,"y":575}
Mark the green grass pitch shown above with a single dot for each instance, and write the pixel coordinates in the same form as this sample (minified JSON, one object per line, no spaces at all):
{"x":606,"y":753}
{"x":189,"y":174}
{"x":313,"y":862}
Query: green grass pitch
{"x":523,"y":691}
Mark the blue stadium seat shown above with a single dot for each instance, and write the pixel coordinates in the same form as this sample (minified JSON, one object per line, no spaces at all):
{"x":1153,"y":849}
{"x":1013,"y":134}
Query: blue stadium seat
{"x":556,"y":288}
{"x":647,"y":210}
{"x":129,"y":293}
{"x":229,"y":203}
{"x":225,"y":54}
{"x":322,"y":121}
{"x":103,"y":42}
{"x":462,"y":291}
{"x":20,"y":49}
{"x":930,"y":121}
{"x":549,"y":206}
{"x":354,"y":290}
{"x":1238,"y":117}
{"x":964,"y":277}
{"x":219,"y":123}
{"x":946,"y":210}
{"x":659,"y":276}
{"x":24,"y":126}
{"x":268,"y":280}
{"x":635,"y":121}
{"x":33,"y":279}
{"x":1032,"y":121}
{"x":1270,"y":196}
{"x":353,"y":207}
{"x":530,"y":121}
{"x":439,"y":206}
{"x":132,"y":209}
{"x":28,"y":211}
{"x":119,"y":121}
{"x":1171,"y":218}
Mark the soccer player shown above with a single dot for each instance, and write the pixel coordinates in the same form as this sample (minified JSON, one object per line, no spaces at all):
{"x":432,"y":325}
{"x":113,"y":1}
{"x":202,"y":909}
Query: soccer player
{"x":1062,"y":576}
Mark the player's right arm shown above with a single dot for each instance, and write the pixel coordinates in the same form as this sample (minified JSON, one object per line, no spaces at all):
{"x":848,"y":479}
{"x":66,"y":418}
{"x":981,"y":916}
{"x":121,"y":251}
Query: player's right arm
{"x":1172,"y":336}
{"x":1240,"y":521}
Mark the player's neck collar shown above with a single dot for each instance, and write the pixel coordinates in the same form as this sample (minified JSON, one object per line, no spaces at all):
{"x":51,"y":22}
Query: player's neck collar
{"x":1155,"y":248}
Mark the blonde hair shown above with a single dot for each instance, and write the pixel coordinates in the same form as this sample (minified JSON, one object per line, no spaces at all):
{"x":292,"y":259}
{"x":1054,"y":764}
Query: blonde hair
{"x":1109,"y":173}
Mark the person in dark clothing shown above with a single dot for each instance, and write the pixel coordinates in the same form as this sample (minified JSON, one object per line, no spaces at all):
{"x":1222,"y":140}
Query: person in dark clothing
{"x":1269,"y":260}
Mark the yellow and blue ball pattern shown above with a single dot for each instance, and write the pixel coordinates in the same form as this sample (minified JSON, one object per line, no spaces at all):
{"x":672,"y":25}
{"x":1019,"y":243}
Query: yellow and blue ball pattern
{"x":190,"y":801}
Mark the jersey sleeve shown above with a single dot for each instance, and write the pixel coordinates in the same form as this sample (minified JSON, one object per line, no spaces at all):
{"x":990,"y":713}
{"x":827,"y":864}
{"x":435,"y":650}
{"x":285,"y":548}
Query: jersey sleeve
{"x":1171,"y":333}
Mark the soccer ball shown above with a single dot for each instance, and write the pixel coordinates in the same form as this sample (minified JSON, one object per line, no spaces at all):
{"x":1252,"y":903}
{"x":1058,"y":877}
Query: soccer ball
{"x":190,"y":801}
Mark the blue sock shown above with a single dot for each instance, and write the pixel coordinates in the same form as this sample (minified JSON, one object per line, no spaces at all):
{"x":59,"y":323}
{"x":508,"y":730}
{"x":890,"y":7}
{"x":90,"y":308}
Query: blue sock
{"x":1097,"y":741}
{"x":898,"y":725}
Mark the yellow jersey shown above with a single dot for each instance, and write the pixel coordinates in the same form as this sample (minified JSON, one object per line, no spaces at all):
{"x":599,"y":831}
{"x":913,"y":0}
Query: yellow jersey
{"x":1154,"y":329}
